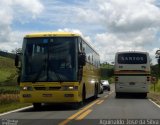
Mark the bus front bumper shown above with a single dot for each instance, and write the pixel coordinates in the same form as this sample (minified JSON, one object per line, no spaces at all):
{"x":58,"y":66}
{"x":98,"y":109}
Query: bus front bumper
{"x":49,"y":97}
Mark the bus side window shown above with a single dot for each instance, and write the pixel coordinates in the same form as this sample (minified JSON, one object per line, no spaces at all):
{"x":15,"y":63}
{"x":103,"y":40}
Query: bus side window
{"x":84,"y":47}
{"x":80,"y":45}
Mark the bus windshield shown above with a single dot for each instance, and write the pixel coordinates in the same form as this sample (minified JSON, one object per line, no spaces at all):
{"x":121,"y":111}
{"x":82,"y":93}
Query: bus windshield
{"x":132,"y":58}
{"x":49,"y":59}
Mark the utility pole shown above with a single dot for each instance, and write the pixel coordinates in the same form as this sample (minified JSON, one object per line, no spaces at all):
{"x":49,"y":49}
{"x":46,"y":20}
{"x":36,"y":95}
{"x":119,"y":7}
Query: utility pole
{"x":158,"y":59}
{"x":158,"y":56}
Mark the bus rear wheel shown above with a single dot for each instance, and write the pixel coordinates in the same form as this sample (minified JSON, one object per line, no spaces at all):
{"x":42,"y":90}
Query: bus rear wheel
{"x":77,"y":105}
{"x":117,"y":95}
{"x":37,"y":106}
{"x":96,"y":91}
{"x":144,"y":95}
{"x":84,"y":94}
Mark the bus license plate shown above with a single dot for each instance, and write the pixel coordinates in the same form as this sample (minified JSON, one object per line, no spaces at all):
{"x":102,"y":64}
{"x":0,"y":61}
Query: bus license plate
{"x":132,"y":83}
{"x":47,"y":95}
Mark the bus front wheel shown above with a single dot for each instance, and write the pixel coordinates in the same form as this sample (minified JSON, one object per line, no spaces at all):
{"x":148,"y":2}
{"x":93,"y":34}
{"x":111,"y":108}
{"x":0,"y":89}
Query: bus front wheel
{"x":77,"y":105}
{"x":117,"y":94}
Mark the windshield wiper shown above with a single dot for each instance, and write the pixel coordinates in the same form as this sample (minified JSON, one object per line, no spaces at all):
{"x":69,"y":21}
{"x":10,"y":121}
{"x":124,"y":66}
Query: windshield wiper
{"x":42,"y":69}
{"x":57,"y":75}
{"x":53,"y":69}
{"x":40,"y":72}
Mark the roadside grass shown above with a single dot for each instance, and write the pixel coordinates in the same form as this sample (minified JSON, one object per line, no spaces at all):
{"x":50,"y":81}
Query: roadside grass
{"x":9,"y":94}
{"x":8,"y":72}
{"x":155,"y":97}
{"x":9,"y":89}
{"x":9,"y":99}
{"x":3,"y":75}
{"x":157,"y":87}
{"x":12,"y":106}
{"x":107,"y":66}
{"x":154,"y":94}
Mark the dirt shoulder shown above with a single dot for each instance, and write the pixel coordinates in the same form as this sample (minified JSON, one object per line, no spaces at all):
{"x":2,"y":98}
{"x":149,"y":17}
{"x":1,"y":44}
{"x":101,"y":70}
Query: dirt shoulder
{"x":155,"y":97}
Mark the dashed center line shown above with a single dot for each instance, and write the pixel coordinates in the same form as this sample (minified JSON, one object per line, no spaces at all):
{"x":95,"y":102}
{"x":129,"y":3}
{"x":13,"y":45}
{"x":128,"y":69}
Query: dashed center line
{"x":84,"y":114}
{"x":78,"y":113}
{"x":100,"y":102}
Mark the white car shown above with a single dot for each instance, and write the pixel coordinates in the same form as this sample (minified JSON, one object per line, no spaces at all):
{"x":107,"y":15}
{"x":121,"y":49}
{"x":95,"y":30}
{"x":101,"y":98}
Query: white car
{"x":101,"y":89}
{"x":105,"y":85}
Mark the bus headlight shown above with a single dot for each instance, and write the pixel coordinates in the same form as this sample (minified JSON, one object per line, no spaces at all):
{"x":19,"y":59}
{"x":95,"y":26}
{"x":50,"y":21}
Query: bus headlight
{"x":70,"y":87}
{"x":26,"y":88}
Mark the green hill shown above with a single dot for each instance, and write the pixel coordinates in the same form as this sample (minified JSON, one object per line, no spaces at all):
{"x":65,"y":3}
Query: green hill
{"x":8,"y":71}
{"x":107,"y":66}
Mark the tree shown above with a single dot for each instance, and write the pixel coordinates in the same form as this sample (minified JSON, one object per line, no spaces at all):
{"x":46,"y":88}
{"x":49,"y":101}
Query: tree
{"x":17,"y":50}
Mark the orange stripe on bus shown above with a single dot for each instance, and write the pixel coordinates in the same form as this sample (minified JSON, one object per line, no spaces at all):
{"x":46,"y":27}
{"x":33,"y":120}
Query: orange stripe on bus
{"x":131,"y":71}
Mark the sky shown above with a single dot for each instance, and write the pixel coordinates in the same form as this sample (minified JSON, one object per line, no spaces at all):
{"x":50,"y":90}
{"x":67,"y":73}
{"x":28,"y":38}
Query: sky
{"x":108,"y":25}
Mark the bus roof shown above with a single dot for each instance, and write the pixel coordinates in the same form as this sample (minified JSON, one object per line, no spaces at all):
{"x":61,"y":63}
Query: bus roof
{"x":55,"y":34}
{"x":143,"y":52}
{"x":51,"y":34}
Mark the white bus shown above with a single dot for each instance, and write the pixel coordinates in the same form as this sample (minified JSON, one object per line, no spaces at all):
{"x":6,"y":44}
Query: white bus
{"x":132,"y":73}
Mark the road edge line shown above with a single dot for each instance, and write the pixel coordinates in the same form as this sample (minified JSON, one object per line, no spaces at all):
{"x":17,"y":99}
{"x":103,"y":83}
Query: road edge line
{"x":154,"y":103}
{"x":16,"y":110}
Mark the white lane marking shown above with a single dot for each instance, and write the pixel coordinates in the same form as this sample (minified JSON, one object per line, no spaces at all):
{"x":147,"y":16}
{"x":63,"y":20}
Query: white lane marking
{"x":111,"y":92}
{"x":154,"y":103}
{"x":105,"y":96}
{"x":17,"y":110}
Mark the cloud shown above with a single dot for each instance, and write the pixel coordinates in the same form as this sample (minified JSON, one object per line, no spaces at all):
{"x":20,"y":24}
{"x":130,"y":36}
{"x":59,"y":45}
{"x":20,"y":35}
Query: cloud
{"x":127,"y":25}
{"x":10,"y":11}
{"x":27,"y":9}
{"x":88,"y":15}
{"x":5,"y":21}
{"x":129,"y":16}
{"x":34,"y":7}
{"x":108,"y":25}
{"x":108,"y":44}
{"x":71,"y":30}
{"x":130,"y":25}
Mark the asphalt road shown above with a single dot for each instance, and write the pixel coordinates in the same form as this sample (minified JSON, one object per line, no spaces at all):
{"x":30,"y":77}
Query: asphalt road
{"x":104,"y":110}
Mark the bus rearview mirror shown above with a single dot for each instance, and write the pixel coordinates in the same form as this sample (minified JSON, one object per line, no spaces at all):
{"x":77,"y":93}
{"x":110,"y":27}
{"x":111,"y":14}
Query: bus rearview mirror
{"x":159,"y":61}
{"x":17,"y":59}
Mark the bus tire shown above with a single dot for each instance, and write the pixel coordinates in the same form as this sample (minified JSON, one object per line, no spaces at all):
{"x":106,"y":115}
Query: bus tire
{"x":37,"y":106}
{"x":96,"y":91}
{"x":83,"y":94}
{"x":117,"y":95}
{"x":144,"y":95}
{"x":77,"y":105}
{"x":109,"y":89}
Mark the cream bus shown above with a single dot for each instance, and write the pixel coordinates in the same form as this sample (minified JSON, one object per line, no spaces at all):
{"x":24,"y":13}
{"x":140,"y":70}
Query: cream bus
{"x":58,"y":67}
{"x":132,"y":73}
